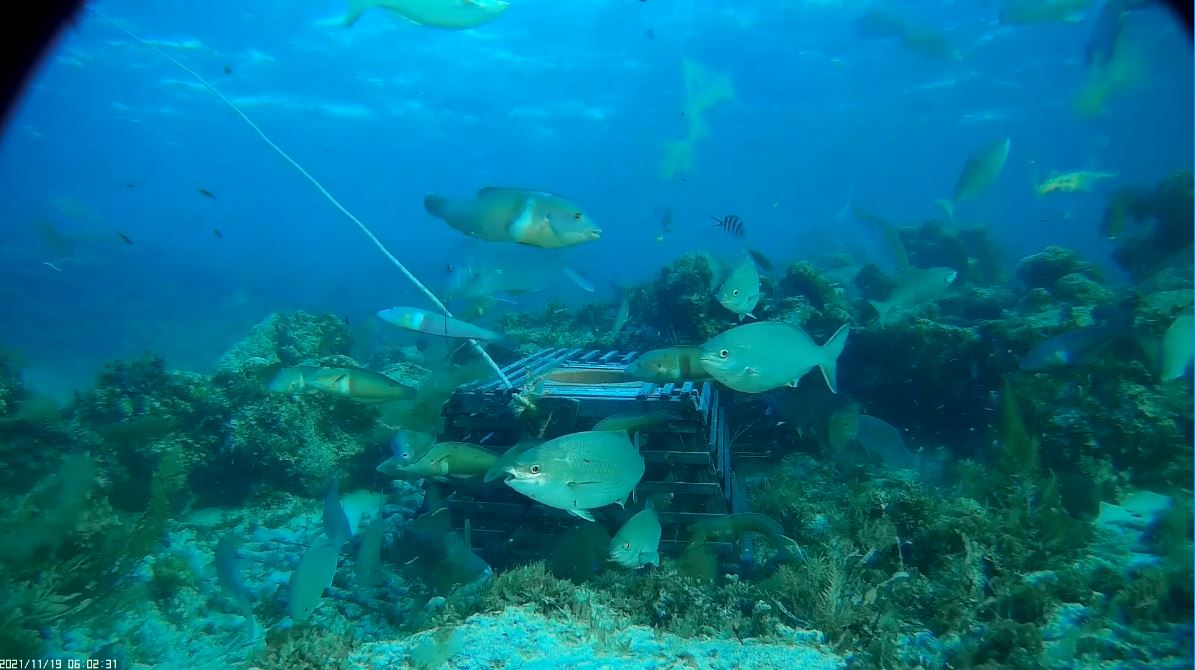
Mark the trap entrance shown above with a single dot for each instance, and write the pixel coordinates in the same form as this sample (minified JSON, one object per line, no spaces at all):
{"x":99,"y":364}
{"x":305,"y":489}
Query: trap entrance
{"x":689,"y":473}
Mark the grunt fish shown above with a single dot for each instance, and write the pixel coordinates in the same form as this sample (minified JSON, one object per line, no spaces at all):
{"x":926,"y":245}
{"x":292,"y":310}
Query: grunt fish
{"x":916,"y":286}
{"x":740,"y":292}
{"x":762,"y":356}
{"x":433,"y":323}
{"x":669,"y":365}
{"x":443,"y":14}
{"x":637,"y":543}
{"x":578,"y":472}
{"x":516,"y":215}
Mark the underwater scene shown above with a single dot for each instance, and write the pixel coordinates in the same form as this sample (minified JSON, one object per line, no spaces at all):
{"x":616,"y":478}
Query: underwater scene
{"x":600,"y":335}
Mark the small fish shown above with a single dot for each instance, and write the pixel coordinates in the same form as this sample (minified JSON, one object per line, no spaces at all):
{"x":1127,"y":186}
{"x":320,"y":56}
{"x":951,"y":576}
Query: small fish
{"x":206,"y":193}
{"x":733,"y":526}
{"x":915,"y":287}
{"x":1076,"y":347}
{"x":217,"y":233}
{"x":336,"y":522}
{"x":579,"y":472}
{"x":730,"y":223}
{"x":51,"y":266}
{"x":433,"y":323}
{"x":1073,"y":182}
{"x":227,"y":69}
{"x":442,"y":14}
{"x":766,"y":355}
{"x":368,"y":565}
{"x":760,"y":259}
{"x":637,"y":543}
{"x":460,"y":460}
{"x":228,"y":570}
{"x":740,"y":292}
{"x":669,"y":365}
{"x":408,"y":446}
{"x":125,"y":238}
{"x":1026,"y":12}
{"x":633,"y":421}
{"x":534,"y":218}
{"x":624,"y":312}
{"x":649,"y":34}
{"x":1177,"y":346}
{"x":881,"y":441}
{"x":979,"y":172}
{"x":666,"y":222}
{"x":316,"y":570}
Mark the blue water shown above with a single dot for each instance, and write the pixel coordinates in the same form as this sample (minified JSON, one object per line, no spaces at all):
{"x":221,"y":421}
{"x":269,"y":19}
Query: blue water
{"x":574,"y":98}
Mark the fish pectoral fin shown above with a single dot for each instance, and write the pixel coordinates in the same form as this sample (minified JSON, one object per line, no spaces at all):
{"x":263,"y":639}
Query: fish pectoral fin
{"x":750,"y":315}
{"x":582,"y":513}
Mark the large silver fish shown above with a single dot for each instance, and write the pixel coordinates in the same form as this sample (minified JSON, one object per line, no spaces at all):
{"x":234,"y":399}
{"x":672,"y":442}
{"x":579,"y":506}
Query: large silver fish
{"x":762,"y":356}
{"x":578,"y":472}
{"x":433,"y":323}
{"x":915,"y":287}
{"x":981,"y":171}
{"x":516,"y":215}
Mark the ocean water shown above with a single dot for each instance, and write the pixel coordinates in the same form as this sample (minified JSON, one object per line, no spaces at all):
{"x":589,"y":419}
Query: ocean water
{"x":162,"y":263}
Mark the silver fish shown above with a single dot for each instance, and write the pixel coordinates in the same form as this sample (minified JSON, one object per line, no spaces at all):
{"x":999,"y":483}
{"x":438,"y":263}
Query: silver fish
{"x":637,"y":543}
{"x":578,"y":472}
{"x":762,"y":356}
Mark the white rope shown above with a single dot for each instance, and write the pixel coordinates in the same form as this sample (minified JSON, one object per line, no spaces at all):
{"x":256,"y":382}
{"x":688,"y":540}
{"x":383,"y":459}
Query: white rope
{"x":314,"y":182}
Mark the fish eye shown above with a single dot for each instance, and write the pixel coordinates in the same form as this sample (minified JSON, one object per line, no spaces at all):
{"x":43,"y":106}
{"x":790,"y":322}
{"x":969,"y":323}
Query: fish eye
{"x":734,"y":292}
{"x":577,"y":216}
{"x":406,"y":455}
{"x":626,"y":545}
{"x":534,"y":469}
{"x":725,"y":353}
{"x":450,"y":267}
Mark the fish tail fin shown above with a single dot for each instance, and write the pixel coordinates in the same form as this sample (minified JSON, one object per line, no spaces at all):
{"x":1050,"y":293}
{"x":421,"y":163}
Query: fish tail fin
{"x":846,"y":207}
{"x":831,"y":350}
{"x":947,"y":206}
{"x":355,"y":9}
{"x":437,"y":206}
{"x":881,"y":308}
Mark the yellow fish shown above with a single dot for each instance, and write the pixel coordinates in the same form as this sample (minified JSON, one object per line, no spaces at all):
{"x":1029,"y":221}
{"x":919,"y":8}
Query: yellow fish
{"x":534,"y":218}
{"x":1073,"y":182}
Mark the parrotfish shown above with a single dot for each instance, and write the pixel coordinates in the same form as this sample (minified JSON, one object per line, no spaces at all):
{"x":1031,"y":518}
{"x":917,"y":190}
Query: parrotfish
{"x":448,"y":459}
{"x":980,"y":171}
{"x":762,"y":356}
{"x":443,"y":14}
{"x":668,"y":365}
{"x":733,"y":526}
{"x":433,"y":323}
{"x":516,"y":215}
{"x":358,"y":384}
